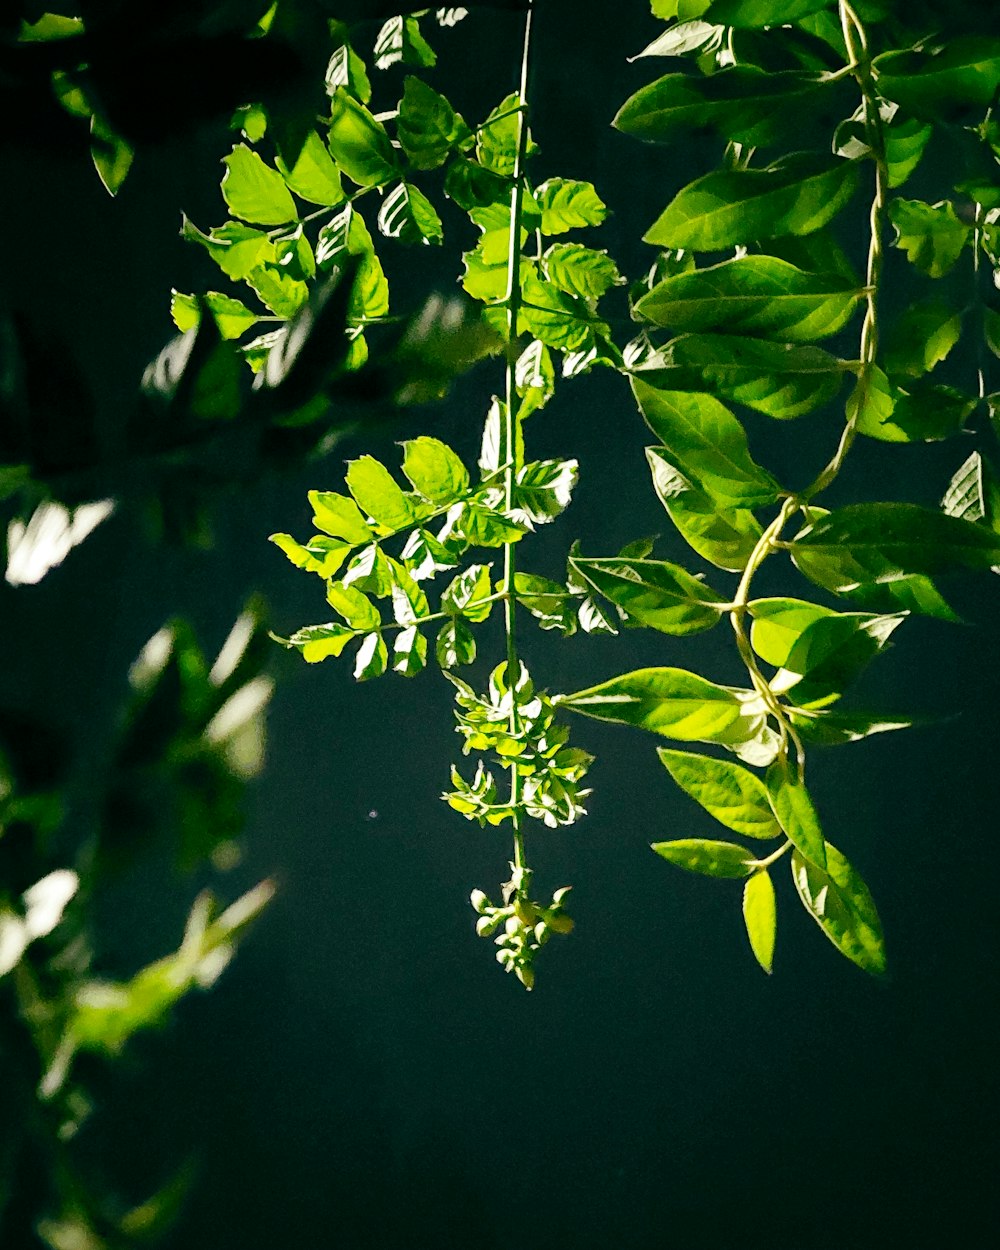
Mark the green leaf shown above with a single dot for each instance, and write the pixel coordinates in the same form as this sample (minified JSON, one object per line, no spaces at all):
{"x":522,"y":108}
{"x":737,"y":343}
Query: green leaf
{"x":653,"y":592}
{"x":756,"y":14}
{"x":318,"y":642}
{"x":839,"y":901}
{"x":455,"y":644}
{"x":547,"y":601}
{"x":408,"y":215}
{"x":465,"y":593}
{"x":733,"y":795}
{"x":346,"y":69}
{"x":347,"y":235}
{"x":255,"y":191}
{"x":940,"y":84}
{"x":667,"y":701}
{"x":760,"y":917}
{"x":232,"y":317}
{"x":930,"y":234}
{"x":743,"y":104}
{"x":905,"y":143}
{"x":794,"y":809}
{"x":409,"y":651}
{"x":482,"y":279}
{"x":377,"y":493}
{"x":359,"y":143}
{"x":830,"y":653}
{"x":278,"y":289}
{"x":836,"y":728}
{"x":471,"y":186}
{"x":779,"y":623}
{"x":922,"y":337}
{"x":337,"y":515}
{"x":409,"y":603}
{"x":251,"y":121}
{"x":756,"y":295}
{"x":434,"y":470}
{"x":354,"y":606}
{"x":372,"y":658}
{"x":320,"y":555}
{"x":707,"y":443}
{"x":313,"y":176}
{"x":558,"y":319}
{"x":782,"y":381}
{"x":974,"y":493}
{"x":236,"y":249}
{"x":683,"y":39}
{"x":922,"y":413}
{"x":710,"y":859}
{"x":370,"y":571}
{"x":800,"y":194}
{"x":427,"y":125}
{"x":569,"y":205}
{"x":880,"y":542}
{"x":111,"y":154}
{"x":484,"y":527}
{"x":725,"y":536}
{"x":543,"y":489}
{"x":400,"y":40}
{"x":581,"y":270}
{"x":534,"y":378}
{"x":496,"y":141}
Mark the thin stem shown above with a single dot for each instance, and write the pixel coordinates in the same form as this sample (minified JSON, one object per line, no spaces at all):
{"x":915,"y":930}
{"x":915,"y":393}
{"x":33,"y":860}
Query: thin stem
{"x":857,"y":49}
{"x":443,"y":616}
{"x":761,"y":864}
{"x":766,"y":544}
{"x":510,"y":431}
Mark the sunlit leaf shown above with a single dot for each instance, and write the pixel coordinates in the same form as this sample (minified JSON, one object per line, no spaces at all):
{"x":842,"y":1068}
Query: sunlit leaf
{"x":794,"y":809}
{"x":655,"y":593}
{"x":313,"y":176}
{"x":743,"y":104}
{"x":706,"y":442}
{"x":736,"y":797}
{"x":930,"y":234}
{"x":757,"y":295}
{"x":880,"y":542}
{"x":408,"y":215}
{"x":255,"y":191}
{"x":667,"y":701}
{"x":371,"y":659}
{"x":725,"y":535}
{"x":839,"y":901}
{"x":455,"y":644}
{"x":569,"y":205}
{"x":409,"y":652}
{"x":428,"y":127}
{"x":377,"y":493}
{"x":760,"y":917}
{"x":940,"y":83}
{"x":709,"y":858}
{"x":796,"y":196}
{"x":783,"y":381}
{"x":359,"y":143}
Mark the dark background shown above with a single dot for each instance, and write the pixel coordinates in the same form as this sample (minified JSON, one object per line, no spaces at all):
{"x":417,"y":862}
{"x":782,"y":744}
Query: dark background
{"x":364,"y":1076}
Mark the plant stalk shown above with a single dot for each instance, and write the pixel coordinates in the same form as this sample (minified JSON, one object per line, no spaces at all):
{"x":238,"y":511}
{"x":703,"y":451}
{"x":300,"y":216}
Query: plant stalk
{"x":511,"y":423}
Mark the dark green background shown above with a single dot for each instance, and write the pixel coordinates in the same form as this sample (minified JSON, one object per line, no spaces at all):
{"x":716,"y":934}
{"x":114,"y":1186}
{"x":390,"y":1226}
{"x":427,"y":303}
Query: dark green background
{"x":364,"y":1076}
